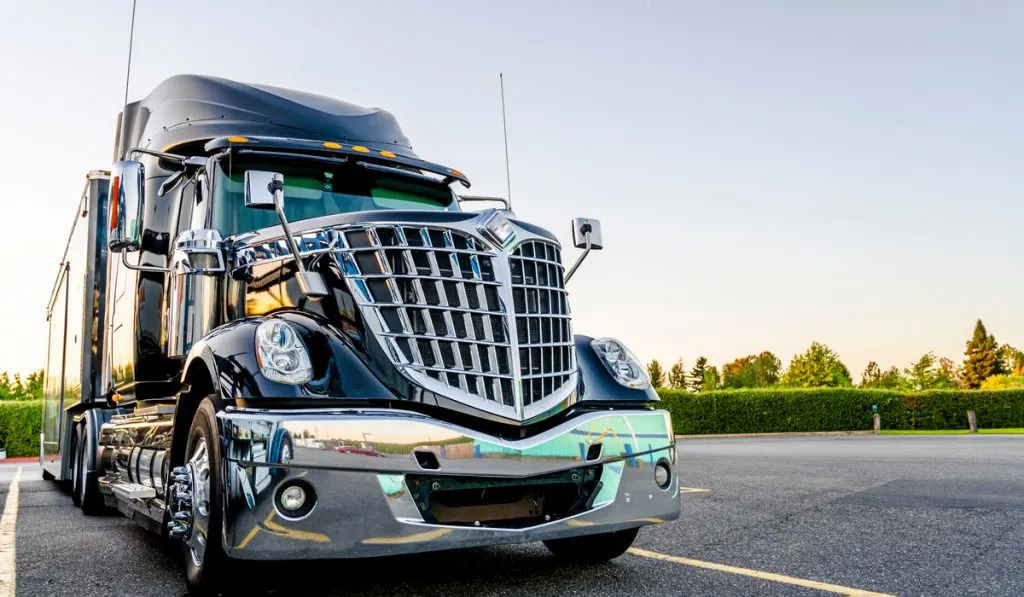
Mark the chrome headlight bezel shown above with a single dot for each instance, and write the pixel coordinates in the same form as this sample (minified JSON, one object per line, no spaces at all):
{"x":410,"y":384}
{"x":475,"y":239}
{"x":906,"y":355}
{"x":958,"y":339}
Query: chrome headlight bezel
{"x":620,"y":363}
{"x":281,"y":353}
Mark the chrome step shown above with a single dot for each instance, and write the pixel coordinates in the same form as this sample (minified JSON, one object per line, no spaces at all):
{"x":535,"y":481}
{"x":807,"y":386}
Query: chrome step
{"x":132,"y":491}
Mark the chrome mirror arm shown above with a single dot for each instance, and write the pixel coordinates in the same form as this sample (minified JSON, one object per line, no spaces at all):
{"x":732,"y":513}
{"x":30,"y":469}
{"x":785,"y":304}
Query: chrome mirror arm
{"x":310,"y":283}
{"x":579,"y":260}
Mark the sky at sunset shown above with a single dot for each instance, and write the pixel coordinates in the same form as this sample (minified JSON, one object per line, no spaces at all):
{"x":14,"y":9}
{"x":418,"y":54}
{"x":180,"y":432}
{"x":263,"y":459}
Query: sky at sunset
{"x":767,"y":174}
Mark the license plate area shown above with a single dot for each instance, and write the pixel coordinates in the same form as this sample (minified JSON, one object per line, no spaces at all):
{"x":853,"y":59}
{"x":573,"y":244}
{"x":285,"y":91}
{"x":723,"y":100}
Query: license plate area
{"x":504,"y":503}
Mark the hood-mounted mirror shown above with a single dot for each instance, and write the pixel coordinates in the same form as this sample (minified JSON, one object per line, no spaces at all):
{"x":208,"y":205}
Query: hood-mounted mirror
{"x":265,"y":190}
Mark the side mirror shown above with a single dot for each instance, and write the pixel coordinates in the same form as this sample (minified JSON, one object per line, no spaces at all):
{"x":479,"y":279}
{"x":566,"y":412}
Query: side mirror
{"x":265,"y":190}
{"x":127,"y":184}
{"x":584,"y":227}
{"x":260,"y":187}
{"x":586,"y":235}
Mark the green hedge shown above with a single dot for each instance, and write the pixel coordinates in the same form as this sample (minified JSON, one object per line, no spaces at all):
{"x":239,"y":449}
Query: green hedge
{"x":838,"y":409}
{"x":20,"y":422}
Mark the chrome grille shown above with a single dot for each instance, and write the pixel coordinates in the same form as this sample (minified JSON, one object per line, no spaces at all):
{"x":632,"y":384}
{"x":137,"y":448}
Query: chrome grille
{"x":438,"y":302}
{"x":544,"y":333}
{"x":456,"y":315}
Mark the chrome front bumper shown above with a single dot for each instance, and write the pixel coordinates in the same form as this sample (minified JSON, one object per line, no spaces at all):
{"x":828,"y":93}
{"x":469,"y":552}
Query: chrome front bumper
{"x":357,"y":461}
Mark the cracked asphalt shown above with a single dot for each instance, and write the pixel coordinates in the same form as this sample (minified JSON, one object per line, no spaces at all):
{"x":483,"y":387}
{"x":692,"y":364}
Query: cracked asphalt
{"x":900,"y":515}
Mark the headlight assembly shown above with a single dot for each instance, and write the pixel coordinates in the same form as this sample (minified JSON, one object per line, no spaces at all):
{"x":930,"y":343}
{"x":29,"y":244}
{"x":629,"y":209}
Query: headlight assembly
{"x":621,"y":363}
{"x":281,"y":354}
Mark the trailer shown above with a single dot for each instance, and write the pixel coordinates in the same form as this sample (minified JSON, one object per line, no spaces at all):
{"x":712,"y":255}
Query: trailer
{"x":278,"y":333}
{"x":74,"y":406}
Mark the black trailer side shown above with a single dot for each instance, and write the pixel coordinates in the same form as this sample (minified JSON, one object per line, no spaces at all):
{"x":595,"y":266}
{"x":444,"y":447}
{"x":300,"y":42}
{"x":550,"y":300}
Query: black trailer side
{"x":76,"y":316}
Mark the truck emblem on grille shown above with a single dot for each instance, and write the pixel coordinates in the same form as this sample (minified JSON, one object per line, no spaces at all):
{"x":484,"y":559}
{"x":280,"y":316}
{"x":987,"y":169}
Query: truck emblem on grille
{"x":494,"y":225}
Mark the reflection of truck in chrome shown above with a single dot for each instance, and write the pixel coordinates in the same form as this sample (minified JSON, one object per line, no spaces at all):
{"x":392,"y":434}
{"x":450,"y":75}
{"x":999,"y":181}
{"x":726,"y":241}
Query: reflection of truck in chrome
{"x":266,"y":276}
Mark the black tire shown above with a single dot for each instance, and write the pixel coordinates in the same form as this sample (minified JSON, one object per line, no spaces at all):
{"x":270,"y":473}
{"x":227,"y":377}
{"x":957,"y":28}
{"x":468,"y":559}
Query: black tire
{"x":209,"y":575}
{"x":76,"y":464}
{"x":85,"y":490}
{"x":592,"y":549}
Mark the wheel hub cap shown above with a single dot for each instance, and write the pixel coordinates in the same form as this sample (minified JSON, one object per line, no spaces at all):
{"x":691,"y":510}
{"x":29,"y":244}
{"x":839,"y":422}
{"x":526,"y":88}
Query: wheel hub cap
{"x":189,"y":499}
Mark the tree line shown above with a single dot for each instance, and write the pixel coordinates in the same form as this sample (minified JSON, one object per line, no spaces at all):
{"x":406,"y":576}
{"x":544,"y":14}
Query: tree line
{"x":17,"y":389}
{"x":986,"y":365}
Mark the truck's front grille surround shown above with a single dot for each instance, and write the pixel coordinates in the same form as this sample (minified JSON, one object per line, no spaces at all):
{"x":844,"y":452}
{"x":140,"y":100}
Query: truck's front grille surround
{"x":485,"y":327}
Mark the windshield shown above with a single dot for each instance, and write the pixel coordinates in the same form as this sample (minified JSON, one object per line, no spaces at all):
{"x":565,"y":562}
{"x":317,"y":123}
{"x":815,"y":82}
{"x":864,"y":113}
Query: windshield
{"x":314,"y":189}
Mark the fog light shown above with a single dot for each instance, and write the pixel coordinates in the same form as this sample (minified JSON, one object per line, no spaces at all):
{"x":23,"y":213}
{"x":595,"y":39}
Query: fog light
{"x":663,"y":474}
{"x":293,"y":498}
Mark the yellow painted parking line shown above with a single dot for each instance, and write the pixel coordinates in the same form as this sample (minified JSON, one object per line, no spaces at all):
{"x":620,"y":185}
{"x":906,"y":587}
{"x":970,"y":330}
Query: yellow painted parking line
{"x":281,"y":531}
{"x":692,"y":490}
{"x":779,"y":578}
{"x":8,"y":526}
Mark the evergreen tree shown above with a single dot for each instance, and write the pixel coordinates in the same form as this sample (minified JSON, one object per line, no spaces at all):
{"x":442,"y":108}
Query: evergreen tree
{"x":697,"y":374}
{"x":656,"y":373}
{"x":982,"y":357}
{"x":677,"y":376}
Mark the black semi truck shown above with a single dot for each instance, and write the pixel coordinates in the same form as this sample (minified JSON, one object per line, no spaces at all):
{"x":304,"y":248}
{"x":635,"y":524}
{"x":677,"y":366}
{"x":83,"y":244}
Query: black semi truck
{"x":277,"y":333}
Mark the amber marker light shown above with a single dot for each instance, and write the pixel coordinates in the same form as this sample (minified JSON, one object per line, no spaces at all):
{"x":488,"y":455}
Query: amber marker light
{"x":332,"y":145}
{"x":238,"y":139}
{"x":360,"y":149}
{"x":388,"y":154}
{"x":115,"y":188}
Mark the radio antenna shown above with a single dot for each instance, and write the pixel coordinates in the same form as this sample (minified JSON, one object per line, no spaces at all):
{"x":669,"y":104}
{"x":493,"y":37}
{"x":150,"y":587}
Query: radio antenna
{"x":131,"y":39}
{"x":504,"y":128}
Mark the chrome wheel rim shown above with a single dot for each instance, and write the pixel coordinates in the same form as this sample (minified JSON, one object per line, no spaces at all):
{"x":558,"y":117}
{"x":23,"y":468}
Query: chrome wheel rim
{"x":199,"y":463}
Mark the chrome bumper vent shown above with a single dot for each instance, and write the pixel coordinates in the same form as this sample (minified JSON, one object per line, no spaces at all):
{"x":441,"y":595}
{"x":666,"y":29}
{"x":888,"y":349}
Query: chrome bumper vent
{"x":484,"y":327}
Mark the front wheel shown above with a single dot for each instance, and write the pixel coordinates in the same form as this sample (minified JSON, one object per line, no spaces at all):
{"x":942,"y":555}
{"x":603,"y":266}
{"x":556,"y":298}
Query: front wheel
{"x":205,"y":560}
{"x":593,"y":549}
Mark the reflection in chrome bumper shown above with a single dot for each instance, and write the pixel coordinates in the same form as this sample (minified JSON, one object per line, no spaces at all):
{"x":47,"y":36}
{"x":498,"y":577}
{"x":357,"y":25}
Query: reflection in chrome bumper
{"x":357,"y":462}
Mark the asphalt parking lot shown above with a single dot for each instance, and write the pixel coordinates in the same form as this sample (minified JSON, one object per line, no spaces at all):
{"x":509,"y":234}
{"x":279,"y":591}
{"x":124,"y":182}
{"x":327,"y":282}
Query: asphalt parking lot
{"x":898,"y":515}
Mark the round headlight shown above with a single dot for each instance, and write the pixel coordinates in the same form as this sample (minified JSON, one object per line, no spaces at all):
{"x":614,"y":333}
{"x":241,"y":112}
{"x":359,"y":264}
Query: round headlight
{"x":621,"y":363}
{"x":281,"y":354}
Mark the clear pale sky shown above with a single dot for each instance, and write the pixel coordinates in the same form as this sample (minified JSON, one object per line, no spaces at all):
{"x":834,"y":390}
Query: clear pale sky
{"x":767,"y":173}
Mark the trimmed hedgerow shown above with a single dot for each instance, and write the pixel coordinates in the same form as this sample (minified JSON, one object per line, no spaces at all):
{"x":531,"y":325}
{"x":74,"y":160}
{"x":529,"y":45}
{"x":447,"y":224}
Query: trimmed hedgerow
{"x":20,"y":422}
{"x":838,"y":409}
